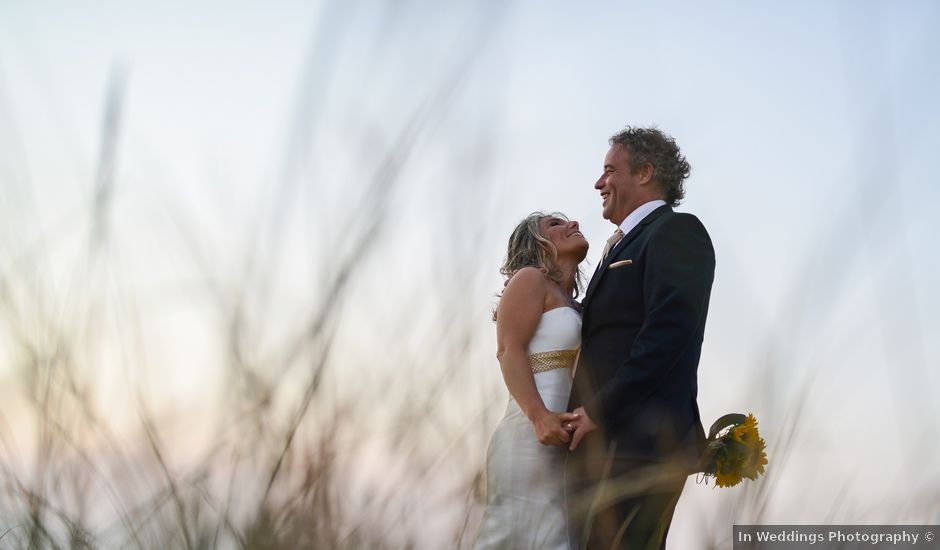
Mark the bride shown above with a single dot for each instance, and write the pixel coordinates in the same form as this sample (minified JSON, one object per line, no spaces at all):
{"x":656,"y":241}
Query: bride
{"x":538,"y":332}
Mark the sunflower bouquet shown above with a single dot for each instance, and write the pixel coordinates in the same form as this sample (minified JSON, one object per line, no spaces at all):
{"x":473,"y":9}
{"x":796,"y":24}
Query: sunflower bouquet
{"x":734,"y":450}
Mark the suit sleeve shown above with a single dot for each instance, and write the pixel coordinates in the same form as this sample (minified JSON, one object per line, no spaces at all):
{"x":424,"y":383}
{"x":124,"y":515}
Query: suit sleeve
{"x":680,"y":268}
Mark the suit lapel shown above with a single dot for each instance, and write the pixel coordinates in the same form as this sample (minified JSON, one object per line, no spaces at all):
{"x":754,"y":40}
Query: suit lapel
{"x":612,"y":255}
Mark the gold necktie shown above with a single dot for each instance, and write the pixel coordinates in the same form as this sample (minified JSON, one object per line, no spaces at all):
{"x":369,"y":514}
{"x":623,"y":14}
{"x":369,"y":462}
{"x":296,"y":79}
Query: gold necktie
{"x":613,"y":240}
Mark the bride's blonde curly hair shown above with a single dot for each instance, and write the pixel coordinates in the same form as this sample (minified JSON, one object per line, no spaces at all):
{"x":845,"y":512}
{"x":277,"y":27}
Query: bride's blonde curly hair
{"x":529,"y":248}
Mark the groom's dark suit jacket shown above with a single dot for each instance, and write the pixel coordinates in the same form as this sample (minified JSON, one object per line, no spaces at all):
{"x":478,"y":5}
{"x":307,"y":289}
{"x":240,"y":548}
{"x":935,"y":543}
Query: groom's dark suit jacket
{"x":642,"y":329}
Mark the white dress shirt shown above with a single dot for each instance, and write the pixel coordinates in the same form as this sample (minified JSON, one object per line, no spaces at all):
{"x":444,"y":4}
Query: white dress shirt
{"x":637,"y":215}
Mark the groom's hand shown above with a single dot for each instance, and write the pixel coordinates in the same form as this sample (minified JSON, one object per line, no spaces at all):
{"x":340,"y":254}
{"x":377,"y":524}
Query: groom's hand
{"x":582,"y":427}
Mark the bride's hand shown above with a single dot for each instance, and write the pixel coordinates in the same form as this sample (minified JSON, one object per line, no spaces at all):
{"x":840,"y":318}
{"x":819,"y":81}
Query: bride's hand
{"x":549,"y":427}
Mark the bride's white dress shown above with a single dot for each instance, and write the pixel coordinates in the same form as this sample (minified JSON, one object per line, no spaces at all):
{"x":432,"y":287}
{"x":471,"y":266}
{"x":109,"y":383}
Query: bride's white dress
{"x":525,"y":490}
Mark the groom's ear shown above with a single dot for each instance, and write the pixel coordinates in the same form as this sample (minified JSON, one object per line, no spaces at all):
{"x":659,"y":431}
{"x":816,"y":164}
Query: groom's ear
{"x":645,"y":172}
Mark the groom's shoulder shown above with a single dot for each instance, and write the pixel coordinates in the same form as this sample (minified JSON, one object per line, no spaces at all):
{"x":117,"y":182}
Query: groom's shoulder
{"x":681,"y":227}
{"x":678,"y":221}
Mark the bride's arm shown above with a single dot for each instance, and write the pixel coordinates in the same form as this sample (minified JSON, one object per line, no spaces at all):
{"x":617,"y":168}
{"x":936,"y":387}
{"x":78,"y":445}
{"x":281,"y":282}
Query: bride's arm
{"x":517,"y":317}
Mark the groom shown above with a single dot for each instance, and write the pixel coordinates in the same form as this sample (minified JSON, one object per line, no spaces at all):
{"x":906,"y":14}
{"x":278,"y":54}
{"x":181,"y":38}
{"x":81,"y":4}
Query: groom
{"x":639,"y":435}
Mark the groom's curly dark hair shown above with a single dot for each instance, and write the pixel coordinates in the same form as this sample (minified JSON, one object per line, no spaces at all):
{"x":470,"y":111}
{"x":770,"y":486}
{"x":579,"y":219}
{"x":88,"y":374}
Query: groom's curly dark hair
{"x":653,"y":146}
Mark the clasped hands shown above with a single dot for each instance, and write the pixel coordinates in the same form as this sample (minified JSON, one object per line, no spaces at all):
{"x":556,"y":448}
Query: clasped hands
{"x":562,"y":428}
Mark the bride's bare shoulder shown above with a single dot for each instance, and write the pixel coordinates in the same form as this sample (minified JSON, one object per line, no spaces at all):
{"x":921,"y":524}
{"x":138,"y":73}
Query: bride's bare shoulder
{"x":526,"y":284}
{"x":524,"y":295}
{"x":529,"y":277}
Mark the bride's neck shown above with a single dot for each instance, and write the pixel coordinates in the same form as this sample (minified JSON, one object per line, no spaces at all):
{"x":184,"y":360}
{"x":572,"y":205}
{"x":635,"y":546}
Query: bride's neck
{"x":568,"y":269}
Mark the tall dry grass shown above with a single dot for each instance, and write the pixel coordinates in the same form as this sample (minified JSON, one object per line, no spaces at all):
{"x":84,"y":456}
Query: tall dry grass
{"x":298,"y":442}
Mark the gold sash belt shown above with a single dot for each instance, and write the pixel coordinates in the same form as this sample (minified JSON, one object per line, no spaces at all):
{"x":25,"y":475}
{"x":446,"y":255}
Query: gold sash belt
{"x":551,"y":360}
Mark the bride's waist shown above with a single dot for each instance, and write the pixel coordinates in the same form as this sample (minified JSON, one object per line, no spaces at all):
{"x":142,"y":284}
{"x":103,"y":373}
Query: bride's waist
{"x":551,"y":371}
{"x":553,"y":387}
{"x":553,"y":382}
{"x":545,"y":361}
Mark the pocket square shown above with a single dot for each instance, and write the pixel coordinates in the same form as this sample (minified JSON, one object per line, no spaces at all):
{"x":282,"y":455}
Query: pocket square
{"x":621,"y":263}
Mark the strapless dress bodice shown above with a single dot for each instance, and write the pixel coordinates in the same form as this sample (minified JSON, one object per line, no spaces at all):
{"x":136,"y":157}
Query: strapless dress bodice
{"x":552,"y":352}
{"x":559,"y":329}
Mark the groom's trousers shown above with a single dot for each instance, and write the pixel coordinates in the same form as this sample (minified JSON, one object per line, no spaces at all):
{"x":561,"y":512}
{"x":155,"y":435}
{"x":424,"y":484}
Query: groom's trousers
{"x":619,"y":503}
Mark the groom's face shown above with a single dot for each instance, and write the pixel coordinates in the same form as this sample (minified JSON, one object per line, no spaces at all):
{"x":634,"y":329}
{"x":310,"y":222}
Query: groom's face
{"x":619,"y":186}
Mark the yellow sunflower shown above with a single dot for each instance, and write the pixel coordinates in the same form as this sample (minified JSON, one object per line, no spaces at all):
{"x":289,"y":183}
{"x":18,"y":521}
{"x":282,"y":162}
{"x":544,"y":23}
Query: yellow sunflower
{"x":737,"y":453}
{"x":747,"y":432}
{"x":757,"y":459}
{"x":729,"y":471}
